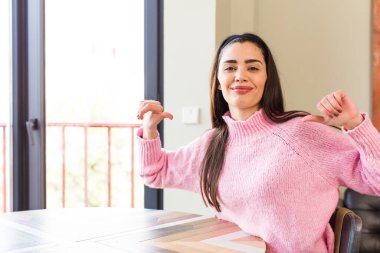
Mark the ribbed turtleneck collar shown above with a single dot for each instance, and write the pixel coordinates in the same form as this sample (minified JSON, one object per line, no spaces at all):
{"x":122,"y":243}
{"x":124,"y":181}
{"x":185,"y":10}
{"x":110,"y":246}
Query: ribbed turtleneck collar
{"x":241,"y":131}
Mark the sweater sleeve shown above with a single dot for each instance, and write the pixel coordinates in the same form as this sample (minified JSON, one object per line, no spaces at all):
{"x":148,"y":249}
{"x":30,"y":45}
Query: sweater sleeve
{"x":366,"y":140}
{"x":351,"y":159}
{"x":161,"y":168}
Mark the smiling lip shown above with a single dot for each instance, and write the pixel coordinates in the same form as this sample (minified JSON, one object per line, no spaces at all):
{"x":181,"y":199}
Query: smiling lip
{"x":241,"y":89}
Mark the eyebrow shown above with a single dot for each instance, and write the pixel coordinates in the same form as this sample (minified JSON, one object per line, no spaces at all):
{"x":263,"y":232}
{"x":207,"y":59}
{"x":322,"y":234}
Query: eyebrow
{"x":246,"y":61}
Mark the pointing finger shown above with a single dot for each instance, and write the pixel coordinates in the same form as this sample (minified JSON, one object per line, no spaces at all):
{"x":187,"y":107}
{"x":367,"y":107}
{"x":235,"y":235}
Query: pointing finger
{"x":149,"y":107}
{"x":314,"y":118}
{"x":167,"y":115}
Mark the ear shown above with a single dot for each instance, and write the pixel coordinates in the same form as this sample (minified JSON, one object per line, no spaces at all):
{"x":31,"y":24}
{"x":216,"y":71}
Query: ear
{"x":219,"y":87}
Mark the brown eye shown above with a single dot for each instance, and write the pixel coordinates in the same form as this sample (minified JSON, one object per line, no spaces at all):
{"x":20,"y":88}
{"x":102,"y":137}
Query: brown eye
{"x":229,"y":68}
{"x":253,"y":68}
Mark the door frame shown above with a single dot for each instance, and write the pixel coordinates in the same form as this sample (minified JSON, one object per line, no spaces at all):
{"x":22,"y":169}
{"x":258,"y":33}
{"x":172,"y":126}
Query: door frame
{"x":28,"y":102}
{"x":28,"y":98}
{"x":154,"y":78}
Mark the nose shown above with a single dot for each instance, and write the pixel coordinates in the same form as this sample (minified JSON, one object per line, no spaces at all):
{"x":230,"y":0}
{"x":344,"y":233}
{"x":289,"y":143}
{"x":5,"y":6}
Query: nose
{"x":240,"y":75}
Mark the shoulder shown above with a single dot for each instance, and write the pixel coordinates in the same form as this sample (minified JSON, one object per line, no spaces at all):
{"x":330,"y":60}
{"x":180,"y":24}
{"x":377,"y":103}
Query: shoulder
{"x":295,"y":130}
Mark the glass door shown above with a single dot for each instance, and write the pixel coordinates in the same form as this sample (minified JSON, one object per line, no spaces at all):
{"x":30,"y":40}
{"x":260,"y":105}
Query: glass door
{"x":94,"y":81}
{"x":5,"y":101}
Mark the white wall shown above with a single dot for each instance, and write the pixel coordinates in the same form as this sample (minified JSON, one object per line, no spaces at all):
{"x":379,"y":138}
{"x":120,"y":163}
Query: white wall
{"x":189,"y":44}
{"x":319,"y":46}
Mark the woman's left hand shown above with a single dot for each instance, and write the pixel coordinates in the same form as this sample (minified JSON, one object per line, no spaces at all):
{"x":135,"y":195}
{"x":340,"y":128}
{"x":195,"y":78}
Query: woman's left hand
{"x":337,"y":110}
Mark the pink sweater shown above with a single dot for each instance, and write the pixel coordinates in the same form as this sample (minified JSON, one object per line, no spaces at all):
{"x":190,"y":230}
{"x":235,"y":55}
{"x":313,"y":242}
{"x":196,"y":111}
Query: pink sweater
{"x":279,"y":181}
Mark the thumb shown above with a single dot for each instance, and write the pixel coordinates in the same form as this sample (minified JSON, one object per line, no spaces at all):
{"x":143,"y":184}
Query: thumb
{"x":167,"y":115}
{"x":313,"y":118}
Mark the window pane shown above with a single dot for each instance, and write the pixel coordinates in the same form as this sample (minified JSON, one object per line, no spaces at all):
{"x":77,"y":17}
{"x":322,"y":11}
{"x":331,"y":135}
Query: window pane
{"x":94,"y":82}
{"x":5,"y":80}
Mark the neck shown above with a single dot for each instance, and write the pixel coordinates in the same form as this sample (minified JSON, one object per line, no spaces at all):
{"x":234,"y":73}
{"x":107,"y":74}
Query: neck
{"x":242,"y":131}
{"x":242,"y":114}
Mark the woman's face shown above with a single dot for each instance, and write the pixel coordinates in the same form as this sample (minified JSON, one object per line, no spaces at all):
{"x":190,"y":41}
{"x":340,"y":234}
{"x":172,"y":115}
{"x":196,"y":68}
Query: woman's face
{"x":242,"y":76}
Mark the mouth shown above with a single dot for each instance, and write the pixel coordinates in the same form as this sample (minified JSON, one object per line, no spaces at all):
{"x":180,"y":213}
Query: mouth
{"x":241,"y":89}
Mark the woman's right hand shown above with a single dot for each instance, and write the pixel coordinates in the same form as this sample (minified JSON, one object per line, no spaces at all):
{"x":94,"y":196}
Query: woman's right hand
{"x":152,"y":113}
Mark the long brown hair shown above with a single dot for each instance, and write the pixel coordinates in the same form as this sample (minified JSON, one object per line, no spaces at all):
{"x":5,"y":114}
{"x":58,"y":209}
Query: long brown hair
{"x":271,"y":102}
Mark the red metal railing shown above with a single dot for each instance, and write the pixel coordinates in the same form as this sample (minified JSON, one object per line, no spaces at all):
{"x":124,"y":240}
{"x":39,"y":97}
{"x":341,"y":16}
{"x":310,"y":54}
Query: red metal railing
{"x":4,"y":153}
{"x":109,"y":127}
{"x":85,"y":127}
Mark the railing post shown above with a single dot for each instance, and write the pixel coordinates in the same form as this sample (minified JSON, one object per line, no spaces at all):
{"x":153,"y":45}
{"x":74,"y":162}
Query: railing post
{"x":63,"y":167}
{"x":109,"y":167}
{"x":86,"y":166}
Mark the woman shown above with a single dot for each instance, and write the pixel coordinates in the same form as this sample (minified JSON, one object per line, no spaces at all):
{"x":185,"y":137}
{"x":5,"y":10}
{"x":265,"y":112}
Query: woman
{"x":274,"y":173}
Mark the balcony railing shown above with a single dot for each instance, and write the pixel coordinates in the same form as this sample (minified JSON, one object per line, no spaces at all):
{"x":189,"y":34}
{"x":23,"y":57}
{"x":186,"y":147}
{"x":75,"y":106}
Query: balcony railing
{"x":85,"y":127}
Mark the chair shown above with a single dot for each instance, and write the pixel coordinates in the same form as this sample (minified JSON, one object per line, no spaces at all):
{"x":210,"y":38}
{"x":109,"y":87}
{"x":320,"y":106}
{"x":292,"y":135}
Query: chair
{"x":368,"y":208}
{"x":347,"y":227}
